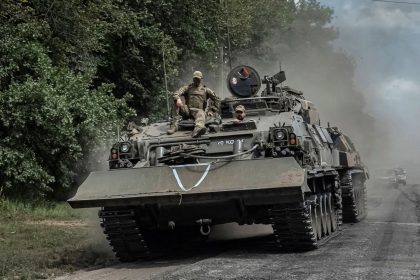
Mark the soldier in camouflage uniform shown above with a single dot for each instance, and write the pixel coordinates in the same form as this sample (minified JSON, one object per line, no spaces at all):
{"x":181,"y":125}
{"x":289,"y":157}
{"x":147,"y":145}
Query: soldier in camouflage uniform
{"x":196,"y":96}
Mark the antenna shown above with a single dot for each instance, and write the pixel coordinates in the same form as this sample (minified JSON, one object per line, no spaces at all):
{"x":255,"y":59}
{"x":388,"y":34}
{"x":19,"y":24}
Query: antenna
{"x":281,"y":84}
{"x":282,"y":95}
{"x":166,"y":84}
{"x":229,"y":51}
{"x":228,"y":37}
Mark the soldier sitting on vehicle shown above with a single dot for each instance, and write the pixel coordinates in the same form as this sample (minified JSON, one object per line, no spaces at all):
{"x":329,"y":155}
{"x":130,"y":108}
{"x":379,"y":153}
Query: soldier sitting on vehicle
{"x":196,"y":96}
{"x":239,"y":114}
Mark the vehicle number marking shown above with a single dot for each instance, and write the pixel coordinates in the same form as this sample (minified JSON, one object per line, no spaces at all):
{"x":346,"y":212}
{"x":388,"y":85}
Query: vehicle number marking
{"x":228,"y":141}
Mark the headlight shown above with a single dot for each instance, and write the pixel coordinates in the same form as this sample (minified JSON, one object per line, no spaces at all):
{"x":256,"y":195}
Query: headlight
{"x":279,"y":135}
{"x":125,"y":147}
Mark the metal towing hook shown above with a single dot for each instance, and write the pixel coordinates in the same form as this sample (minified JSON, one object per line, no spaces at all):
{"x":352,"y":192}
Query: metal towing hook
{"x":205,"y":226}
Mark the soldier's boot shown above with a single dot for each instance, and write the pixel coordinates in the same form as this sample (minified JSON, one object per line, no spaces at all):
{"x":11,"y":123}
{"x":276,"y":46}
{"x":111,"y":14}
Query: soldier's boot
{"x":172,"y":128}
{"x":198,"y":131}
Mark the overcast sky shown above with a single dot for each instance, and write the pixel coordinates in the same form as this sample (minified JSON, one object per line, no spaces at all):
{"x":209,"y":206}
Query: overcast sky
{"x":384,"y":41}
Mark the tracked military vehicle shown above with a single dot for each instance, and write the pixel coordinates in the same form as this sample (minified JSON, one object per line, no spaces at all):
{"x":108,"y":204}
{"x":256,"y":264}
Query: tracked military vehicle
{"x":279,"y":166}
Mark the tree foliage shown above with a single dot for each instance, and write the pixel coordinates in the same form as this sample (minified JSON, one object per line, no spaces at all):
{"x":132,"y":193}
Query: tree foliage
{"x":50,"y":115}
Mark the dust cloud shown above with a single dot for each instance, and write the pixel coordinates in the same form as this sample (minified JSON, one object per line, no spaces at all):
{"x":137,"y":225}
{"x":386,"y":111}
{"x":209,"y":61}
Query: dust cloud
{"x":383,"y":39}
{"x":96,"y":243}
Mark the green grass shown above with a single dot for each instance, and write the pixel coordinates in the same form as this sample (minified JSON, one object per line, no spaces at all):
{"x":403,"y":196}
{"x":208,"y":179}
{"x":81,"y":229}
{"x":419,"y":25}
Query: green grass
{"x":43,"y":239}
{"x":39,"y":210}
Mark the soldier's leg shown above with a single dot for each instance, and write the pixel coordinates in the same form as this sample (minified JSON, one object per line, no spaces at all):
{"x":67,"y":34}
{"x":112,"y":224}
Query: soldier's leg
{"x":199,"y":121}
{"x":184,"y":111}
{"x":199,"y":117}
{"x":175,"y":117}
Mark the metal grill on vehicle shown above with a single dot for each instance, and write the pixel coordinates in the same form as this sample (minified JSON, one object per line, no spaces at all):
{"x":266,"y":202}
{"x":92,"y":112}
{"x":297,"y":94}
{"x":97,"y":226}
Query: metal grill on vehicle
{"x":239,"y":126}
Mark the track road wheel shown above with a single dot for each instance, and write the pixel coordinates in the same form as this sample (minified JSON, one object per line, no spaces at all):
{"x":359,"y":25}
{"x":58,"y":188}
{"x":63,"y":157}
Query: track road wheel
{"x":323,"y":214}
{"x":327,"y":215}
{"x":318,"y":214}
{"x":332,"y":213}
{"x":315,"y":222}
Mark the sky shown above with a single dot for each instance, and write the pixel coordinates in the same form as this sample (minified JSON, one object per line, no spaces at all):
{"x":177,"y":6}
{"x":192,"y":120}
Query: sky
{"x":383,"y":40}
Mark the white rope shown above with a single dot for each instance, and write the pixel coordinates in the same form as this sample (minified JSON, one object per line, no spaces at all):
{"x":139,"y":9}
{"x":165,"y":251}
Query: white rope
{"x":178,"y":180}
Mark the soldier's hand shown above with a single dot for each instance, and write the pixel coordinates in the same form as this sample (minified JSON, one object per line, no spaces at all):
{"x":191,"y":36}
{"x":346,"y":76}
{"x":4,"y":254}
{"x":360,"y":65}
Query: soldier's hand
{"x":179,"y":103}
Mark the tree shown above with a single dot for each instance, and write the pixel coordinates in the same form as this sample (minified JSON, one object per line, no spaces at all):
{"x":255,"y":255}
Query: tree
{"x":50,"y":116}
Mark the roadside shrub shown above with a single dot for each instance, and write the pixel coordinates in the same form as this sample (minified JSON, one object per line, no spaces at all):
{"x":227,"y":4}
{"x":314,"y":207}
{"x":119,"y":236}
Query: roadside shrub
{"x":51,"y":118}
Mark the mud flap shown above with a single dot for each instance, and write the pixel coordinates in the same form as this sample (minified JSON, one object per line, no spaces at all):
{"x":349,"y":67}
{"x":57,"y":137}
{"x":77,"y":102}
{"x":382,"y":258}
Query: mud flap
{"x":152,"y":183}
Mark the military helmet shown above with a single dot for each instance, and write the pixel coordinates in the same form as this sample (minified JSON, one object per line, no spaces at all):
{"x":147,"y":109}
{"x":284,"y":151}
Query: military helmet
{"x":240,"y":108}
{"x":197,"y":74}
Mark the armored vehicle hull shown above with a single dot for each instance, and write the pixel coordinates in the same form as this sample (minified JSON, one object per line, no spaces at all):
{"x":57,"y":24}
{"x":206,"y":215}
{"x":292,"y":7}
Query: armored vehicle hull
{"x":278,"y":167}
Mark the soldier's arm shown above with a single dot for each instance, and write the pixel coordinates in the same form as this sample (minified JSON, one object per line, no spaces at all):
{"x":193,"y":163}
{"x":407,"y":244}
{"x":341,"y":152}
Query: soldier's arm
{"x":214,"y":98}
{"x":180,"y":92}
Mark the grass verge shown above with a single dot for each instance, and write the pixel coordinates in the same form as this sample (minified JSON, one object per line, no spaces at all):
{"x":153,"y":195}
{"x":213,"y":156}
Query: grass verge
{"x":42,"y":240}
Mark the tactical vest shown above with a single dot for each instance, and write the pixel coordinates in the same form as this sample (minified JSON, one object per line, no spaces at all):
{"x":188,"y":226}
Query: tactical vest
{"x":196,"y":98}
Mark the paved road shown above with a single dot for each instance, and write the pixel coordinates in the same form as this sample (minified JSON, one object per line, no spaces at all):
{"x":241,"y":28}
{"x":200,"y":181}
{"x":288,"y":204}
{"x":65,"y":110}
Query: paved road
{"x":386,"y":245}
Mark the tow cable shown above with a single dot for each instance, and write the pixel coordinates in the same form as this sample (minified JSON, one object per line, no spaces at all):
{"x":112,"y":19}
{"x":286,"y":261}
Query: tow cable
{"x":208,"y":164}
{"x":178,"y":180}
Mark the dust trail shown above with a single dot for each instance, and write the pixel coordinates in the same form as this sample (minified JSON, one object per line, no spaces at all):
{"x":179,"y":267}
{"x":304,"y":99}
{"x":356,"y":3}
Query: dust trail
{"x":383,"y":40}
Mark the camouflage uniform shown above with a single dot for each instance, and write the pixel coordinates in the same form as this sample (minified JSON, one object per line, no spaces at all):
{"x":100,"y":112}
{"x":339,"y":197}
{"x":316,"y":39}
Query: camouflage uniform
{"x":195,"y":101}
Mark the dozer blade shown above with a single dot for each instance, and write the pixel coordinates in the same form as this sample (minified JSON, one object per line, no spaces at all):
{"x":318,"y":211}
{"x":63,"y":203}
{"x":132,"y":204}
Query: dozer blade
{"x":170,"y":184}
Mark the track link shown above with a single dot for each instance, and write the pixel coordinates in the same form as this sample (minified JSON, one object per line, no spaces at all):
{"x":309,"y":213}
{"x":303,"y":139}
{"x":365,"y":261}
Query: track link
{"x":293,"y":230}
{"x":124,"y":234}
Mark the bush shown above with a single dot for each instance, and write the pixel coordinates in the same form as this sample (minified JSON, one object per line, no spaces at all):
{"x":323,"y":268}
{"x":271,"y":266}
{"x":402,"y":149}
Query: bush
{"x":51,"y":118}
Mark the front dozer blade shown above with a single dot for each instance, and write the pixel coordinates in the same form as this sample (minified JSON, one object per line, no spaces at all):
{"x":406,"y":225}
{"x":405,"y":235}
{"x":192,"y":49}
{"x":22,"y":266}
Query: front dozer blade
{"x":170,"y":184}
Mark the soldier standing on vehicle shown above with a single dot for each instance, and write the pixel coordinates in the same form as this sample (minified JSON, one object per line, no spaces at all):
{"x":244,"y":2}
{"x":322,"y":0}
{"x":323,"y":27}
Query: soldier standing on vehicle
{"x":196,"y":96}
